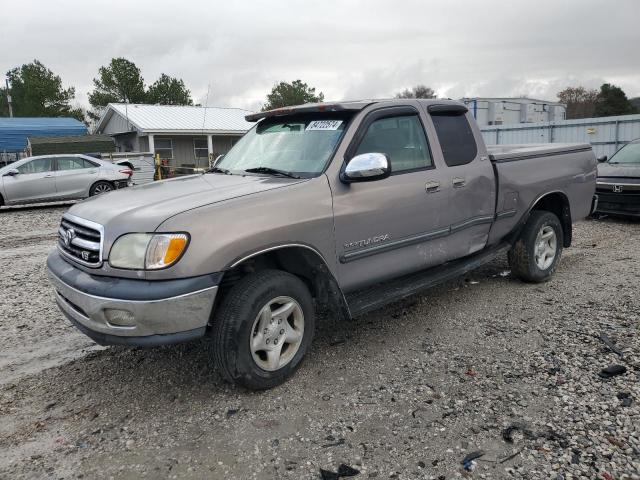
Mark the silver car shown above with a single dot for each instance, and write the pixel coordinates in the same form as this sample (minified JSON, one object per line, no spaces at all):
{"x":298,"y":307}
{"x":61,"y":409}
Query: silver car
{"x":51,"y":178}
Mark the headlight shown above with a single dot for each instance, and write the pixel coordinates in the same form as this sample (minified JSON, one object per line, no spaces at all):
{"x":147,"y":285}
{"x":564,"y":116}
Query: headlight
{"x":147,"y":251}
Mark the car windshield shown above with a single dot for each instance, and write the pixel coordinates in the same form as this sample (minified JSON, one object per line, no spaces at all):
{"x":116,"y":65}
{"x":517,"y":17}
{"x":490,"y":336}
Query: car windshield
{"x":298,"y":145}
{"x":630,"y":153}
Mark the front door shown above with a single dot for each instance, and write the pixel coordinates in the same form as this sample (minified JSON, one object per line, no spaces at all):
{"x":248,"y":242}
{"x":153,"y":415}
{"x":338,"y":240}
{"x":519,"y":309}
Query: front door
{"x":397,"y":225}
{"x":35,"y":181}
{"x":74,"y":176}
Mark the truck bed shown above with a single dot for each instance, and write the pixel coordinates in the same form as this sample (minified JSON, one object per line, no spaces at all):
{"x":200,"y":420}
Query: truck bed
{"x":509,"y":153}
{"x":525,"y":172}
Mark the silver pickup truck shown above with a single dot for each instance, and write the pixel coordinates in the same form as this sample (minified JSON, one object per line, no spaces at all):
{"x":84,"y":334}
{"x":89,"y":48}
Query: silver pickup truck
{"x":340,"y":207}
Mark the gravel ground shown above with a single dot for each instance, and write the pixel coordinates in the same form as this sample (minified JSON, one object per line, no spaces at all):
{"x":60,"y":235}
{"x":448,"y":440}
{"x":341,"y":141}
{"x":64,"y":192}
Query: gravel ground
{"x":485,"y":363}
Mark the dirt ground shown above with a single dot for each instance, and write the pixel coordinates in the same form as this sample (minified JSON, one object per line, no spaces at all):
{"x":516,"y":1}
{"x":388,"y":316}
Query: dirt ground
{"x":485,"y":363}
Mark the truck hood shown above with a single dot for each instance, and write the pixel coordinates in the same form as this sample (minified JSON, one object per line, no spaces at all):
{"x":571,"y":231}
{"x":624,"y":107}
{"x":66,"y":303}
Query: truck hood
{"x":143,"y":208}
{"x":620,"y":170}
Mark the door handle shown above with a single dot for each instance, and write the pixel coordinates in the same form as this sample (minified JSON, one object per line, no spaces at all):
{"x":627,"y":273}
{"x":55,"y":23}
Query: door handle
{"x":48,"y":176}
{"x":432,"y":187}
{"x":458,"y":182}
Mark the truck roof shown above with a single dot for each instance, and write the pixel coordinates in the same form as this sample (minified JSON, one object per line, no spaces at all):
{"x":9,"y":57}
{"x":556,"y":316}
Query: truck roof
{"x":344,"y":106}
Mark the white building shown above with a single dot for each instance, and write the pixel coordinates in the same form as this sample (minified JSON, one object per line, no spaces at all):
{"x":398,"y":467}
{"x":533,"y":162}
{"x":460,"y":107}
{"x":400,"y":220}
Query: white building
{"x":183,"y":136}
{"x":507,"y":111}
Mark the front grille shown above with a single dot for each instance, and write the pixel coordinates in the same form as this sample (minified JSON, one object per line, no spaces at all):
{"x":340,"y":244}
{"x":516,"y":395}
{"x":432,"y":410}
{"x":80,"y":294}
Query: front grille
{"x":81,"y":240}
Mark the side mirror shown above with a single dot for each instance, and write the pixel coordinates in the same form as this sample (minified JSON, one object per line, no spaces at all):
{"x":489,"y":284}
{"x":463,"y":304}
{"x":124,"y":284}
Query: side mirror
{"x":602,"y":158}
{"x":12,"y":173}
{"x":366,"y":167}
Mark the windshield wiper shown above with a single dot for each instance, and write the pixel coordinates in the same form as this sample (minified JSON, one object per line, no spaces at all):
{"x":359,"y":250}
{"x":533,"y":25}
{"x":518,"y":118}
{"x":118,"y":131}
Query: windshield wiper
{"x":219,"y":170}
{"x":272,"y":171}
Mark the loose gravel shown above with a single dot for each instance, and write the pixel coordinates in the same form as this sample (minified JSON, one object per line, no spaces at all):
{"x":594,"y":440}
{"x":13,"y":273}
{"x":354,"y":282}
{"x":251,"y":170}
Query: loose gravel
{"x":487,"y":368}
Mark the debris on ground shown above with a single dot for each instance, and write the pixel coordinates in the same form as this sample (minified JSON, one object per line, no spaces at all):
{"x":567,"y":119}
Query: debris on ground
{"x":468,"y":462}
{"x":612,"y":346}
{"x":613,"y":371}
{"x":344,"y":471}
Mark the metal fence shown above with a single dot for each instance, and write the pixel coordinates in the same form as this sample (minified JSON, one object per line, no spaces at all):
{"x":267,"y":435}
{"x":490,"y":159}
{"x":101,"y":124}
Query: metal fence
{"x":605,"y":134}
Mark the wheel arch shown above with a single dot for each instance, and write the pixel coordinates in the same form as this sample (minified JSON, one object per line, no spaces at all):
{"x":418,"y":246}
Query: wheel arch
{"x":557,"y":203}
{"x":300,"y":260}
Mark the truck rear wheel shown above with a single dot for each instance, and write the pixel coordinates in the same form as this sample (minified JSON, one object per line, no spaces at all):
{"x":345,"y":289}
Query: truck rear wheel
{"x":262,"y":329}
{"x":536,"y":254}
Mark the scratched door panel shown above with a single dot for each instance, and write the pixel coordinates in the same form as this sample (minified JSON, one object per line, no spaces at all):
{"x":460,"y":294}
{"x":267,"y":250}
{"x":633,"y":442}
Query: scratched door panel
{"x":374,"y":220}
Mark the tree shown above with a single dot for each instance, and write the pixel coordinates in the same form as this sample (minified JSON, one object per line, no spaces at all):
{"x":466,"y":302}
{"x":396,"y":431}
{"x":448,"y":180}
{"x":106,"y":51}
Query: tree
{"x":286,"y":94}
{"x":419,"y":91}
{"x":120,"y":81}
{"x":37,"y":92}
{"x":613,"y":101}
{"x":169,"y":91}
{"x":580,"y":102}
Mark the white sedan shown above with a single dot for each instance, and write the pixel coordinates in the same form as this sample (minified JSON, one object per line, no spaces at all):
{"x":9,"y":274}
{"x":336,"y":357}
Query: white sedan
{"x":51,"y":178}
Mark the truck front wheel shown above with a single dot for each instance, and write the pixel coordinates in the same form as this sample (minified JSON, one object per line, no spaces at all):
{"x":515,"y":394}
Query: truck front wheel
{"x":262,"y":329}
{"x":536,"y":253}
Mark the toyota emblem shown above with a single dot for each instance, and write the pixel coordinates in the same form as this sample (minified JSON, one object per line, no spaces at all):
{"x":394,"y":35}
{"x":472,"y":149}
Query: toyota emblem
{"x":69,"y":235}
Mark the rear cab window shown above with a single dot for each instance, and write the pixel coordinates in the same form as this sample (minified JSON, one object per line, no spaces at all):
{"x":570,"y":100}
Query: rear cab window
{"x":456,"y":138}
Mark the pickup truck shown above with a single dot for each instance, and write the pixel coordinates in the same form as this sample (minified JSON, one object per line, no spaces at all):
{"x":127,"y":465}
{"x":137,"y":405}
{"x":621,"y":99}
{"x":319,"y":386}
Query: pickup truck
{"x":335,"y":207}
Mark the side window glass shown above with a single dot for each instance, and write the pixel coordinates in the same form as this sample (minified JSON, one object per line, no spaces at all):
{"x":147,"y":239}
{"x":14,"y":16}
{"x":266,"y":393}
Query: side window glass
{"x":456,"y":139}
{"x":39,"y":165}
{"x":70,"y":163}
{"x":88,"y":164}
{"x":402,"y":139}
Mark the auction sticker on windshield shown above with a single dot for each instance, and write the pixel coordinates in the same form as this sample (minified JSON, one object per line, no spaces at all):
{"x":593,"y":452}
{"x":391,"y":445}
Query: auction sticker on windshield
{"x":324,"y":125}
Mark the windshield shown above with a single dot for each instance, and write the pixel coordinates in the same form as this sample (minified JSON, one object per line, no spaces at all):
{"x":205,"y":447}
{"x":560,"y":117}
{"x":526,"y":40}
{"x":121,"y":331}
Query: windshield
{"x":301,"y":145}
{"x":630,"y":153}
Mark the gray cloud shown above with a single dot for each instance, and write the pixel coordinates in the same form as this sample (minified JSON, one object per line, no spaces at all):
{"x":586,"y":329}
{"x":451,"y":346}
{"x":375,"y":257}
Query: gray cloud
{"x":345,"y":48}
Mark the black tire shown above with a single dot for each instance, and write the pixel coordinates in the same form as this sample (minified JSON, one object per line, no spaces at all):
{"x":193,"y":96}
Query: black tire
{"x":103,"y":186}
{"x":522,"y":256}
{"x":233,"y":327}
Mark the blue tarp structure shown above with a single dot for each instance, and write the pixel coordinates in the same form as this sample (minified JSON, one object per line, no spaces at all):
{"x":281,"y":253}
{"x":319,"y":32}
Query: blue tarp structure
{"x":14,"y":131}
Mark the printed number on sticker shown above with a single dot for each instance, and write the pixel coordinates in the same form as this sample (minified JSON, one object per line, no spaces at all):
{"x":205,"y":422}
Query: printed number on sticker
{"x":324,"y":125}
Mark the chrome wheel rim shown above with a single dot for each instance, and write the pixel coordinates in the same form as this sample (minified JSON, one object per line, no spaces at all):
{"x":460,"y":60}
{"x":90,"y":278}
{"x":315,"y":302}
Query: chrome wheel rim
{"x":546,"y":247}
{"x":102,"y":188}
{"x":277,"y":333}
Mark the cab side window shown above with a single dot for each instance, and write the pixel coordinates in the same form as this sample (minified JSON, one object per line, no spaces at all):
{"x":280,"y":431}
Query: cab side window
{"x":402,"y":138}
{"x":456,"y":138}
{"x":39,"y":165}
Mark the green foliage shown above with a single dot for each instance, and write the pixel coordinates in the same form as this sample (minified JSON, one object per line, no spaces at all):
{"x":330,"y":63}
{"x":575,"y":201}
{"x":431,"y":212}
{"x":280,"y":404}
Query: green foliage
{"x":288,"y":94}
{"x":169,"y":91}
{"x":583,"y":103}
{"x":37,"y":92}
{"x":419,"y":91}
{"x":613,"y":101}
{"x":120,"y":81}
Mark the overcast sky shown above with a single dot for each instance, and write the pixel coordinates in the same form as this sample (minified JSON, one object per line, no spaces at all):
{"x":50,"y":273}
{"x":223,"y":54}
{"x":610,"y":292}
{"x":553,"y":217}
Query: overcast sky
{"x":347,"y":49}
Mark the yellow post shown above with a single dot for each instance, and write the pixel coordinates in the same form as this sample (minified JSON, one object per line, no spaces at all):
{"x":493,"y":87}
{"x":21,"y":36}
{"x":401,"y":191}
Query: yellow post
{"x":158,"y":167}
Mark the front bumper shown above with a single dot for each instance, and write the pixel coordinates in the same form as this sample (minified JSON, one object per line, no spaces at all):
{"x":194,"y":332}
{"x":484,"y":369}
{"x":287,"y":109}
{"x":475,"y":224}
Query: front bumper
{"x":119,"y":311}
{"x":627,"y":203}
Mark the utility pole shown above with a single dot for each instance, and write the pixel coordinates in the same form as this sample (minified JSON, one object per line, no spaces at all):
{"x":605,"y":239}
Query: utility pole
{"x":6,"y":82}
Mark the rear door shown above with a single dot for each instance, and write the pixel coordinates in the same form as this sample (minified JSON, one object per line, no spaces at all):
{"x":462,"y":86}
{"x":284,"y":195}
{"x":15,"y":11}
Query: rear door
{"x":74,"y":176}
{"x":34,"y":182}
{"x":469,"y":174}
{"x":393,"y":226}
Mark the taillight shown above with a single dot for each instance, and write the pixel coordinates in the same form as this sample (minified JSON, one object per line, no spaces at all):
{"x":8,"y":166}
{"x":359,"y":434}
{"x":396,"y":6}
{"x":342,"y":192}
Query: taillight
{"x":127,"y":171}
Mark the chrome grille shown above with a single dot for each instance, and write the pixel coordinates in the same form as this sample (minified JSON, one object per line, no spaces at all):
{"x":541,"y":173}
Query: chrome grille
{"x":81,"y":240}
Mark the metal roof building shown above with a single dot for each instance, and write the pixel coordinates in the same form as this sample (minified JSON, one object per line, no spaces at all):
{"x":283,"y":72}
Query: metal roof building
{"x":15,"y":131}
{"x":183,"y":136}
